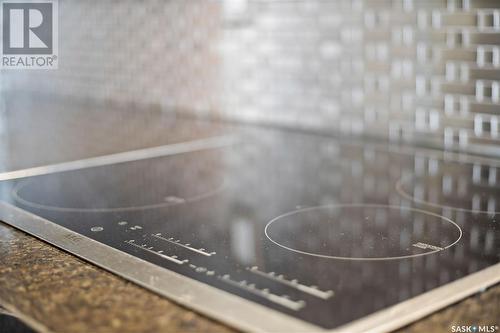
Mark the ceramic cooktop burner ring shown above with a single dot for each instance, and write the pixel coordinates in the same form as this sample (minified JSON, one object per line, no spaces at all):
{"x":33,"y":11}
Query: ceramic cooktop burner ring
{"x":173,"y":201}
{"x":446,"y":223}
{"x":401,"y":191}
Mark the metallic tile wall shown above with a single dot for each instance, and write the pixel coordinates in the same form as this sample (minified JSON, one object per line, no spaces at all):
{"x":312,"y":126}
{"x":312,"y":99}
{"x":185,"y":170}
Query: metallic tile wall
{"x":421,"y":70}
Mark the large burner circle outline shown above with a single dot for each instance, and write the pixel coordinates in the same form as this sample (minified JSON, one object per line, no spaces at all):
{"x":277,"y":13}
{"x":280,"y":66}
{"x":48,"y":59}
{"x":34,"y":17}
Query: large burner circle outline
{"x":191,"y":199}
{"x":447,"y":220}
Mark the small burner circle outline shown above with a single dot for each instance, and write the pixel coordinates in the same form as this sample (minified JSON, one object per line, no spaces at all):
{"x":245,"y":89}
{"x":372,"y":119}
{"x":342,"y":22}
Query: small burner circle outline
{"x":362,"y":258}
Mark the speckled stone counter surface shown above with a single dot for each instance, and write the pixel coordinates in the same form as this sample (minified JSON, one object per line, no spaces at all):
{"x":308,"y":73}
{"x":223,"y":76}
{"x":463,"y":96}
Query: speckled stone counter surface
{"x":56,"y":292}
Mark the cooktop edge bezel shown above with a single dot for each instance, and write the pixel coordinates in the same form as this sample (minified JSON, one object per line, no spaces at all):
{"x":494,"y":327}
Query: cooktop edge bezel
{"x":213,"y":302}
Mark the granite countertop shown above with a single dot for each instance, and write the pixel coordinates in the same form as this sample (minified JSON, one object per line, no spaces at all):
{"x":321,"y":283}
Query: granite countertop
{"x":54,"y":291}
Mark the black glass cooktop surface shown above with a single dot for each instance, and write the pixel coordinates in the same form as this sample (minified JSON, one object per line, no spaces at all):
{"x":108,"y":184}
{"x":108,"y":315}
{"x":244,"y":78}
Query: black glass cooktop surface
{"x":321,"y":229}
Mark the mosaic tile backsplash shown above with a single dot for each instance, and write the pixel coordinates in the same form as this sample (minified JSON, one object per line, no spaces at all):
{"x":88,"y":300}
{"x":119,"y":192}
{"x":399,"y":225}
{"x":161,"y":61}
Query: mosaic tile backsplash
{"x":425,"y":70}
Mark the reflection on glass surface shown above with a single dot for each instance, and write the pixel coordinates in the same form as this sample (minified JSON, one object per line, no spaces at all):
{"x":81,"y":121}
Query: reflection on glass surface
{"x":444,"y":185}
{"x":339,"y":229}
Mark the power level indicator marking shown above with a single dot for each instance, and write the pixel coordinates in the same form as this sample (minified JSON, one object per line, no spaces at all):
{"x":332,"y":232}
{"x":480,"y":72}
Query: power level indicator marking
{"x":265,"y":293}
{"x":188,"y":246}
{"x":159,"y":253}
{"x":311,"y":290}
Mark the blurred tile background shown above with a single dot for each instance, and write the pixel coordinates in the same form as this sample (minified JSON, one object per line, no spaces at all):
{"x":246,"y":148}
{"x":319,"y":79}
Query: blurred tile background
{"x":424,"y":70}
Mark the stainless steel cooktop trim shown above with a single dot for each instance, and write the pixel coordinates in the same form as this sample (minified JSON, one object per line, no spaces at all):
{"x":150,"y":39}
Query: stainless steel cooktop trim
{"x":218,"y":142}
{"x":420,"y":306}
{"x":228,"y":308}
{"x":127,"y":156}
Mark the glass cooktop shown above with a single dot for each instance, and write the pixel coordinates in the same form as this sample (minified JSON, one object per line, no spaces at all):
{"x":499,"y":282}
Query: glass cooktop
{"x":322,"y":230}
